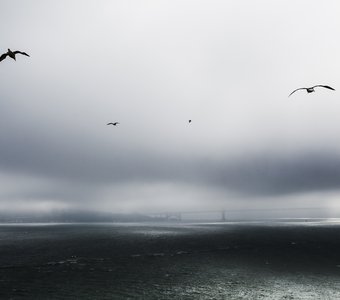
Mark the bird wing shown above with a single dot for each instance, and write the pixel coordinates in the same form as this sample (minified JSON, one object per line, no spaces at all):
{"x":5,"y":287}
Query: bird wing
{"x":296,"y":90}
{"x":3,"y":56}
{"x":23,"y":53}
{"x":324,"y":86}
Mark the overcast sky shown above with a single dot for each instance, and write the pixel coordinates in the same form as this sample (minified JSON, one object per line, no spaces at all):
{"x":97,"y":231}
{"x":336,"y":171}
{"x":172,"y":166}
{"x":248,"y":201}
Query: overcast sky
{"x":229,"y":66}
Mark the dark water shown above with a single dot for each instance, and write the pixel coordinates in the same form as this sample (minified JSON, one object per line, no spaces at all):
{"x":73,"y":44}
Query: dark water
{"x":263,"y":260}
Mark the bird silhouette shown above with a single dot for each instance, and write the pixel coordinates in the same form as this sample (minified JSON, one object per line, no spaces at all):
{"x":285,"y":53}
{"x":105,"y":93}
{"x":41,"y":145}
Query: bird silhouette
{"x":189,"y":121}
{"x":114,"y":124}
{"x":311,"y":89}
{"x":11,"y":54}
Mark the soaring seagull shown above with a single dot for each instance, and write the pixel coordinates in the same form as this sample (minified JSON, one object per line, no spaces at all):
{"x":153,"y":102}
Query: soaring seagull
{"x":11,"y":54}
{"x":311,"y":89}
{"x":114,"y":124}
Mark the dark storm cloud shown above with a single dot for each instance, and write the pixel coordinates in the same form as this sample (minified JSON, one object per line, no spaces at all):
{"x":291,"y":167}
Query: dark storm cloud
{"x":74,"y":159}
{"x":276,"y":175}
{"x":76,"y":162}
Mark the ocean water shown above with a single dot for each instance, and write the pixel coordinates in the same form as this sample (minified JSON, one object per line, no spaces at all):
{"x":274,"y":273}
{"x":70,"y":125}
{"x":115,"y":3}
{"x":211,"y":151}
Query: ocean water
{"x":281,"y":259}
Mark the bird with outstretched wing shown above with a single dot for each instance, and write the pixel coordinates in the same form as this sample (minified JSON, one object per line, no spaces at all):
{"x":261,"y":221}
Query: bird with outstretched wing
{"x":311,"y":89}
{"x":12,"y":54}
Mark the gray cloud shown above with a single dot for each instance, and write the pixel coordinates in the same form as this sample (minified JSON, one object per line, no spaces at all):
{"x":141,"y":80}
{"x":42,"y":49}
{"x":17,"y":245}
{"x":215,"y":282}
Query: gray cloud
{"x":277,"y":175}
{"x":228,"y":66}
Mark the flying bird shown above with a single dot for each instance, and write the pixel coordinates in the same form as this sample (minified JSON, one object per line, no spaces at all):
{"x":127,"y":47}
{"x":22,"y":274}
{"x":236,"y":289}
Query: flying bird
{"x":11,"y":54}
{"x":114,"y":124}
{"x":311,"y":89}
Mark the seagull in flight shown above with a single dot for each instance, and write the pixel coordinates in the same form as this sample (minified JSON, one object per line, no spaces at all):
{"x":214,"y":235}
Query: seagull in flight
{"x":11,"y":54}
{"x":311,"y":89}
{"x":114,"y":124}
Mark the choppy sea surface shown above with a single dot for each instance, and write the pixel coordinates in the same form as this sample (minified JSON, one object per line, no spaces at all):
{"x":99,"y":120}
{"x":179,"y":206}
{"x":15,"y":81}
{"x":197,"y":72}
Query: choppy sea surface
{"x":281,"y":259}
